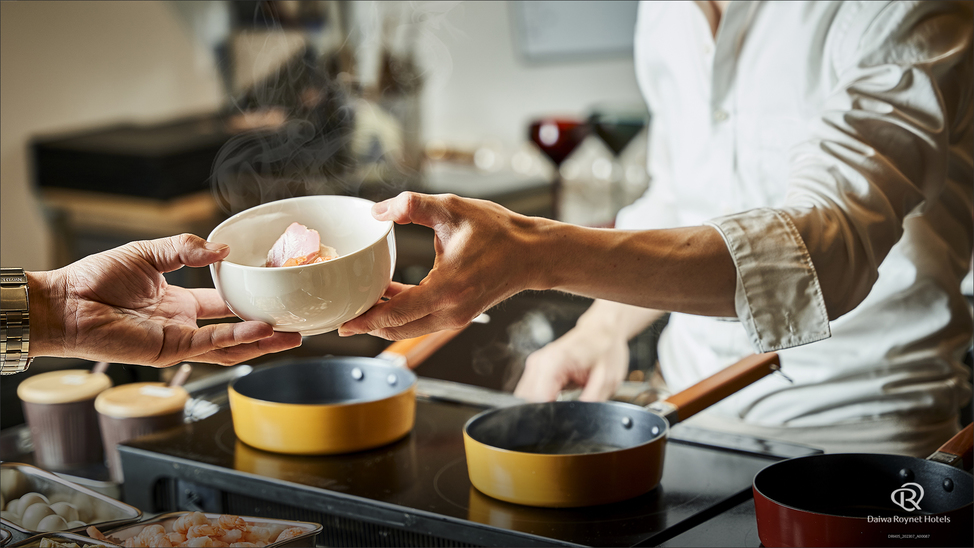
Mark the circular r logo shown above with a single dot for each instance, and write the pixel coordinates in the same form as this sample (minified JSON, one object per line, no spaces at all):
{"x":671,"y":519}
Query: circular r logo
{"x":908,"y":496}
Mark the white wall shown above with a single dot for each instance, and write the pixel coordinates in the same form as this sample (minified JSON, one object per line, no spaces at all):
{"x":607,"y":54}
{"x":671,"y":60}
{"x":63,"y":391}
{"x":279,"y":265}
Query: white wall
{"x":481,"y":87}
{"x":68,"y":65}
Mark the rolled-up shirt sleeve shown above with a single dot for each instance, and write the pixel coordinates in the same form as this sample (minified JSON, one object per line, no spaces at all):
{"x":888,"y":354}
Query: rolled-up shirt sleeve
{"x":878,"y":150}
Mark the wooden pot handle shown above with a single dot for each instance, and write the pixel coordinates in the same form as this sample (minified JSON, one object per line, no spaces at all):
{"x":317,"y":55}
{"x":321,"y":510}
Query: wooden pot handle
{"x":959,"y":450}
{"x":412,"y":352}
{"x":711,"y":390}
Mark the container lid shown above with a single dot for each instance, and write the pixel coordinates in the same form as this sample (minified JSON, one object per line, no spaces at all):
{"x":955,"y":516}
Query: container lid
{"x":141,"y":399}
{"x":66,"y":386}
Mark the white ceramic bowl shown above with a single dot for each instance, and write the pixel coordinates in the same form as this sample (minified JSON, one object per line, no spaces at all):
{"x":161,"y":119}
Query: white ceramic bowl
{"x":308,"y":299}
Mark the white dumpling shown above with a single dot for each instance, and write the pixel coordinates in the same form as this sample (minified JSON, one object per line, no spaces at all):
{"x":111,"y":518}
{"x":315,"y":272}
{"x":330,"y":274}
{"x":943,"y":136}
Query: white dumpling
{"x":66,"y":510}
{"x":76,"y":524}
{"x":13,"y":507}
{"x":52,"y":523}
{"x":34,"y":514}
{"x":29,"y":500}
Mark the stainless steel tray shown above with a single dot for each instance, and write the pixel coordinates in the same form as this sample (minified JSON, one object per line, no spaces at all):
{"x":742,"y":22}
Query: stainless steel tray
{"x":166,"y":520}
{"x":65,"y":538}
{"x":108,"y":512}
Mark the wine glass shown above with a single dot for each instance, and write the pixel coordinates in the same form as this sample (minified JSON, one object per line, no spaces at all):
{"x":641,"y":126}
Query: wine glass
{"x":557,"y":137}
{"x":617,"y":127}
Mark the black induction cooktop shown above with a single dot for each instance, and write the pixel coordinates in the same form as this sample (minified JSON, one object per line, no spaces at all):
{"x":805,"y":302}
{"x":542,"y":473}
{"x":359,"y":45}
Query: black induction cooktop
{"x":416,"y":491}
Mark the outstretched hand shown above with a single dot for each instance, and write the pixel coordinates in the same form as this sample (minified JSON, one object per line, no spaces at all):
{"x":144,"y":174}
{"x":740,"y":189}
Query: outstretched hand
{"x":116,"y":306}
{"x":484,"y":254}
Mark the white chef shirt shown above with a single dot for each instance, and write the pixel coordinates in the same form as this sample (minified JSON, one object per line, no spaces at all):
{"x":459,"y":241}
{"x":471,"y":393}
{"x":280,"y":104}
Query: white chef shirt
{"x":830,"y":143}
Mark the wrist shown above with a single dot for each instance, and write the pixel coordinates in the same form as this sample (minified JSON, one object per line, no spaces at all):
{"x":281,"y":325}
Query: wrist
{"x":545,"y":259}
{"x":46,"y":295}
{"x":603,"y":325}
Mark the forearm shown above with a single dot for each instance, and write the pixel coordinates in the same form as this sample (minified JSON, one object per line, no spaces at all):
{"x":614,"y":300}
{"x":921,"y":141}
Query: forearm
{"x":685,"y":270}
{"x":617,"y":318}
{"x":46,"y":294}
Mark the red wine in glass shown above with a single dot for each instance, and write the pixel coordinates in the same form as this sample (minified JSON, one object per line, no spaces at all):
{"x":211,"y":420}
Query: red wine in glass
{"x":558,"y":137}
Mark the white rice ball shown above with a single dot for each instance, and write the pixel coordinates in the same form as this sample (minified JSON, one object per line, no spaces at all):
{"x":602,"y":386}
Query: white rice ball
{"x":34,"y":514}
{"x":30,"y":499}
{"x":66,"y":510}
{"x":52,"y":523}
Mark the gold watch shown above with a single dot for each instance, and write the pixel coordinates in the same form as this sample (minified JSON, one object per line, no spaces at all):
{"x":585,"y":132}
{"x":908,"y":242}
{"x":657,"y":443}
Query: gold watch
{"x":14,"y":321}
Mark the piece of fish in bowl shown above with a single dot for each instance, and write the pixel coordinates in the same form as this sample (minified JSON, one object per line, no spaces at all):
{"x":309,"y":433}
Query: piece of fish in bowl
{"x":299,"y":245}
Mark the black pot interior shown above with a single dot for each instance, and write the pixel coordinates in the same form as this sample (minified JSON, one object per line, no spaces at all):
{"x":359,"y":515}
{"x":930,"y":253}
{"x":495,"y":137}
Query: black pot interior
{"x":326,"y":381}
{"x":862,"y":485}
{"x":566,"y":427}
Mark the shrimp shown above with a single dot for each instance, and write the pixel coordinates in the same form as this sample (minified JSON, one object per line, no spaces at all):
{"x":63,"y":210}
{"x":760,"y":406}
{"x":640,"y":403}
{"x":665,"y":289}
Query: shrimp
{"x":176,"y":538}
{"x":151,"y":531}
{"x":275,"y":529}
{"x":158,"y":541}
{"x":227,"y":521}
{"x":207,"y":530}
{"x":134,"y":542}
{"x":231,"y":536}
{"x":199,"y":542}
{"x":184,"y":522}
{"x":290,"y":533}
{"x":94,"y":533}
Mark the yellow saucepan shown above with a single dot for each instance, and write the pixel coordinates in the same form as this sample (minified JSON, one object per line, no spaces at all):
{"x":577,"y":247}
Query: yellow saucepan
{"x":331,"y":405}
{"x":572,"y":453}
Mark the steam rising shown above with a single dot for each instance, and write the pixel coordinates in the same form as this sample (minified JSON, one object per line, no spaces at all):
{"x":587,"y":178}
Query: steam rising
{"x":303,"y":146}
{"x":528,"y":334}
{"x":344,"y":121}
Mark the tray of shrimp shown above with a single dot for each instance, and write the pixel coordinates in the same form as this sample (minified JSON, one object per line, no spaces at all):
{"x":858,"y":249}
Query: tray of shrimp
{"x":204,"y":529}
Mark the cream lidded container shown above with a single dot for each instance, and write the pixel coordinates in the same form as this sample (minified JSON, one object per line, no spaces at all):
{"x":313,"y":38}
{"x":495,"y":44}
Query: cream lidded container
{"x":60,"y":412}
{"x":137,"y":409}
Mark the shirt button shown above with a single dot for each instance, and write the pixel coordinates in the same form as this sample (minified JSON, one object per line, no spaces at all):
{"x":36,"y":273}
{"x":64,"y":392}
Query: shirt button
{"x":707,"y":50}
{"x":720,"y":115}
